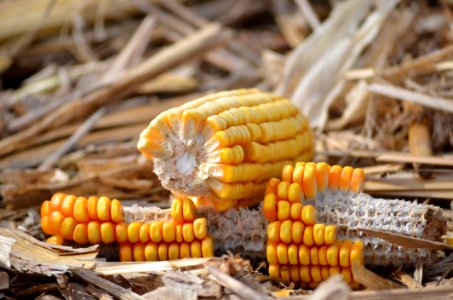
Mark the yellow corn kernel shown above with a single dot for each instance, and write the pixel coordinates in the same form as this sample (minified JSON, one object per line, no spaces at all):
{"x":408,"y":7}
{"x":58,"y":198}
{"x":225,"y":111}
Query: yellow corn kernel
{"x":81,"y":233}
{"x":155,"y":231}
{"x":107,"y":232}
{"x":94,"y":232}
{"x":347,"y":275}
{"x":55,"y":240}
{"x":309,"y":182}
{"x":67,"y":205}
{"x":304,"y":255}
{"x":45,"y":225}
{"x":187,"y":232}
{"x":304,"y":272}
{"x":274,"y":270}
{"x":298,"y":174}
{"x":189,"y":211}
{"x":282,"y":190}
{"x":121,"y":233}
{"x":173,"y":251}
{"x":284,"y":274}
{"x":287,"y":173}
{"x":200,"y":228}
{"x":334,"y":177}
{"x":332,"y":255}
{"x":325,"y":272}
{"x":271,"y":252}
{"x":273,"y":231}
{"x":92,"y":208}
{"x":334,"y":270}
{"x":345,"y":250}
{"x":184,"y":250}
{"x":143,"y":234}
{"x":308,"y":236}
{"x":133,"y":231}
{"x":55,"y":221}
{"x":330,"y":234}
{"x":308,"y":215}
{"x":56,"y":200}
{"x":318,"y":233}
{"x":282,"y":253}
{"x":207,"y":247}
{"x":138,"y":252}
{"x":195,"y":249}
{"x":151,"y":252}
{"x":81,"y":209}
{"x":176,"y":211}
{"x":283,"y":210}
{"x":125,"y":251}
{"x":297,"y":232}
{"x":357,"y":180}
{"x":178,"y":237}
{"x":293,"y":254}
{"x":296,"y":209}
{"x":294,"y":273}
{"x":272,"y":186}
{"x":103,"y":208}
{"x":45,"y":208}
{"x":322,"y":176}
{"x":322,"y":255}
{"x":116,"y":211}
{"x":68,"y":227}
{"x":356,"y":254}
{"x":315,"y":272}
{"x":314,"y":256}
{"x":295,"y":193}
{"x":286,"y":231}
{"x":168,"y":231}
{"x":162,"y":251}
{"x":345,"y":179}
{"x":270,"y":207}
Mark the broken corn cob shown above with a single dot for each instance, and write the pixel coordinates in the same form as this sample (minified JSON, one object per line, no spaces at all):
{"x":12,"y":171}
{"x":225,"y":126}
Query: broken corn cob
{"x":224,"y":147}
{"x":183,"y":235}
{"x":292,"y":217}
{"x":300,"y":249}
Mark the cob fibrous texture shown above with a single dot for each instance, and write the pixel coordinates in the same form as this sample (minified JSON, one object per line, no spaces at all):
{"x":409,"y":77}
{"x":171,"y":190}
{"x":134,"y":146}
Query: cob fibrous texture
{"x":222,"y":148}
{"x":141,"y":233}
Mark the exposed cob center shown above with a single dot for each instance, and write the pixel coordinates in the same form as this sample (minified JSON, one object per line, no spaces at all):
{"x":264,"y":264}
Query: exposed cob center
{"x":224,"y":147}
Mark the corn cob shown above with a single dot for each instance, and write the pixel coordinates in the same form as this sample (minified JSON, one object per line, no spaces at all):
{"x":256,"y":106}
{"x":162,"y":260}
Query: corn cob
{"x":183,"y":235}
{"x":223,"y":148}
{"x":326,"y":195}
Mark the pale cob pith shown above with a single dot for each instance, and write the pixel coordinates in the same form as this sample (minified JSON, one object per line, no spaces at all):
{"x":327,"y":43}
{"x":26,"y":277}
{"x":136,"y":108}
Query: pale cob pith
{"x":223,"y":148}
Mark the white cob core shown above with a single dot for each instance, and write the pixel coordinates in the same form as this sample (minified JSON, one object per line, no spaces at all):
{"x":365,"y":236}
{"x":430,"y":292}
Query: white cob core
{"x":181,"y":171}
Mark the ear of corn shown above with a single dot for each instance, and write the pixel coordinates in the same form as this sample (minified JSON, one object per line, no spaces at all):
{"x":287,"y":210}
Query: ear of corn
{"x":224,"y":147}
{"x":100,"y":220}
{"x":320,"y":245}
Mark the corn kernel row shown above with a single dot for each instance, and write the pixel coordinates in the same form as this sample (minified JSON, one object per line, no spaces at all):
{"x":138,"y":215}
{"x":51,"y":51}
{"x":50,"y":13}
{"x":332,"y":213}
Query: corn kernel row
{"x":297,"y":232}
{"x":151,"y":251}
{"x":309,"y":275}
{"x":338,"y":254}
{"x":318,"y":177}
{"x":82,"y":209}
